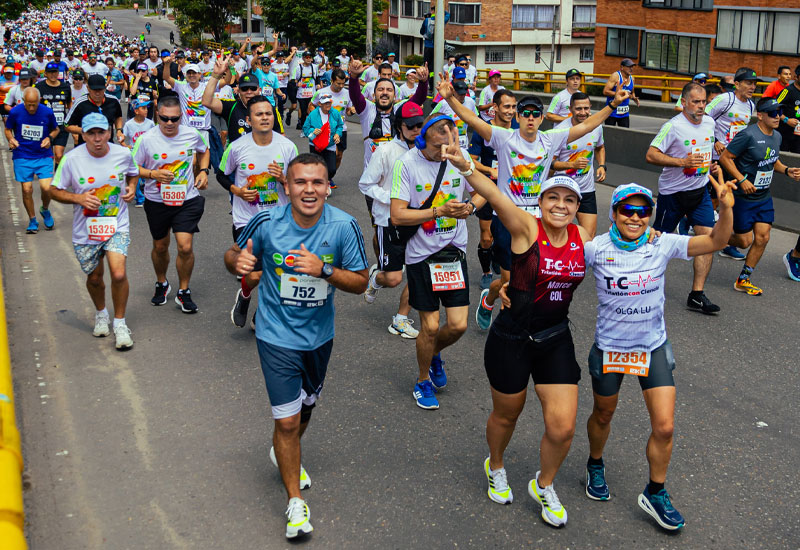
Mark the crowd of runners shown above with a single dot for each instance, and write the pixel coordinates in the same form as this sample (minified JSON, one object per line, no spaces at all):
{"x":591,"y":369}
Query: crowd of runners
{"x":102,"y":121}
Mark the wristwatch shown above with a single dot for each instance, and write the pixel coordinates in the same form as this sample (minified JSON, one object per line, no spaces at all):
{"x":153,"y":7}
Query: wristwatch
{"x":327,"y":271}
{"x":206,"y":170}
{"x":468,"y":172}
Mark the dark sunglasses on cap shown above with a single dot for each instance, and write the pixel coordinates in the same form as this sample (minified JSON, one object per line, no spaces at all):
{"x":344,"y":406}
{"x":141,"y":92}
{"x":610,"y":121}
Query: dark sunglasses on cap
{"x":163,"y":118}
{"x":525,"y":113}
{"x":628,"y":210}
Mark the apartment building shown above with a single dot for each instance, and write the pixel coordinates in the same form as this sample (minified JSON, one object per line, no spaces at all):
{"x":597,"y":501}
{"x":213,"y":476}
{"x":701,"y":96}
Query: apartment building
{"x":685,"y":37}
{"x":511,"y":34}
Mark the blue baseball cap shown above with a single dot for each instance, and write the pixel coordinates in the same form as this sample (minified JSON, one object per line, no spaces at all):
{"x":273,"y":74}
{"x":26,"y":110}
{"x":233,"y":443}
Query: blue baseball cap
{"x":628,"y":190}
{"x":700,"y":76}
{"x":459,"y":72}
{"x":140,"y":102}
{"x":94,"y":120}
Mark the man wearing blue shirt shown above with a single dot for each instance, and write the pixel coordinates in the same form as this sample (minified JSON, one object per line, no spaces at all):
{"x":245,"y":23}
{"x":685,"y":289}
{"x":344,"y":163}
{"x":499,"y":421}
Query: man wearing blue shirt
{"x":30,"y":130}
{"x":307,"y":249}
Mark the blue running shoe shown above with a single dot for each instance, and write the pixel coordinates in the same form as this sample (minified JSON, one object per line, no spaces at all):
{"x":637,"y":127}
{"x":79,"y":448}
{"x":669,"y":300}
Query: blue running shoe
{"x":436,"y":372}
{"x":33,"y":227}
{"x":792,"y":266}
{"x":49,"y":222}
{"x":486,"y":281}
{"x":731,"y":252}
{"x":596,"y":487}
{"x":661,"y":509}
{"x":423,"y":394}
{"x":483,"y":316}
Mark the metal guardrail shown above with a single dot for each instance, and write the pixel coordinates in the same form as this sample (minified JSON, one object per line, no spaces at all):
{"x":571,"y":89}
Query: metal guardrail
{"x":12,"y":512}
{"x":665,"y":84}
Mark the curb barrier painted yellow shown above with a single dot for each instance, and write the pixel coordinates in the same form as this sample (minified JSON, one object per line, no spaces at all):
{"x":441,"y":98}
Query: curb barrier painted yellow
{"x":12,"y":512}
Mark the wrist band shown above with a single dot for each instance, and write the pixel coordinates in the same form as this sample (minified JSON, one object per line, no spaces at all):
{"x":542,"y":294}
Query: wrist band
{"x":741,"y":180}
{"x":786,"y":171}
{"x":603,"y":166}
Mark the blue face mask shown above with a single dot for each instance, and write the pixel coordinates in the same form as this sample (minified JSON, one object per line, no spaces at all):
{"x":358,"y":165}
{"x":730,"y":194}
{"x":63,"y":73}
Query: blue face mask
{"x":616,"y":238}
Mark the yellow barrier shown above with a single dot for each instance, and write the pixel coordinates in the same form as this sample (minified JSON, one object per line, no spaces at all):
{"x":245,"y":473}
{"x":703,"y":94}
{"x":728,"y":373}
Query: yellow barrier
{"x":12,"y":513}
{"x":515,"y":79}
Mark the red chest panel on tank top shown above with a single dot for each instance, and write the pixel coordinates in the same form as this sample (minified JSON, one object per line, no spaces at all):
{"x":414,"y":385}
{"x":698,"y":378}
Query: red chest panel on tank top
{"x":560,"y":271}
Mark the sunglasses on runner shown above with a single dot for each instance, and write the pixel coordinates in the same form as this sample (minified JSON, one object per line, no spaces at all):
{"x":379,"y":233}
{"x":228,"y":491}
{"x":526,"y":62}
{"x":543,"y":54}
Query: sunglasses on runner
{"x":530,"y":113}
{"x":163,"y":118}
{"x":773,"y":114}
{"x":628,"y":210}
{"x":248,"y":88}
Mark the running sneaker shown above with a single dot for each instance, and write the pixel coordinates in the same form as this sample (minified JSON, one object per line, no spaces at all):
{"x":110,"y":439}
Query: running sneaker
{"x":403,"y":328}
{"x":483,"y":316}
{"x":239,"y":310}
{"x":101,"y":324}
{"x":305,"y":479}
{"x":424,"y":395}
{"x":298,"y":126}
{"x":702,"y":303}
{"x":371,"y":293}
{"x":596,"y":486}
{"x":288,"y":120}
{"x":552,"y":510}
{"x":49,"y":222}
{"x":792,"y":266}
{"x":436,"y":372}
{"x":731,"y":252}
{"x":333,"y":185}
{"x":744,"y":285}
{"x":162,"y":291}
{"x":184,"y":300}
{"x":33,"y":227}
{"x":661,"y":509}
{"x":297,"y":518}
{"x":122,"y":334}
{"x":499,"y":491}
{"x":139,"y":205}
{"x":486,"y":281}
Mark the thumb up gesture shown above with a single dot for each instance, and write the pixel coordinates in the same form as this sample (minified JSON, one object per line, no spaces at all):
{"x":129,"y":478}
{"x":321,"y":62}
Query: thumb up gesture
{"x":246,"y":261}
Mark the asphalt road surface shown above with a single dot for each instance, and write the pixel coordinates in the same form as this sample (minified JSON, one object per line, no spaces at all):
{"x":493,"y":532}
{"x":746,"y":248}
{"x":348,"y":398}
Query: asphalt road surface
{"x":166,"y":446}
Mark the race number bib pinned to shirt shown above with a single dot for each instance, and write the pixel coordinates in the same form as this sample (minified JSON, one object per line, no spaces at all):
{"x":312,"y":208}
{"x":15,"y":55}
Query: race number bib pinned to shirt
{"x":299,"y":290}
{"x":623,"y":109}
{"x":534,"y":211}
{"x":197,"y":121}
{"x":763,"y":179}
{"x":101,"y":228}
{"x":173,"y":194}
{"x":446,"y":276}
{"x":32,"y":132}
{"x":735,"y":129}
{"x":626,"y":362}
{"x":797,"y":130}
{"x":704,"y":150}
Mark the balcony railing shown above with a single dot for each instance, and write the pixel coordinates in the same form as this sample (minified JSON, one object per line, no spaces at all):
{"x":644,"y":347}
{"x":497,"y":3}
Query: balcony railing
{"x":583,"y":29}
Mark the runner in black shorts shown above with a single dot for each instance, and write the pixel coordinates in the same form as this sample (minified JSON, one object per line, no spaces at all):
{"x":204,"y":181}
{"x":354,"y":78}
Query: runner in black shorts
{"x":57,"y":95}
{"x":531,"y":338}
{"x":172,"y":202}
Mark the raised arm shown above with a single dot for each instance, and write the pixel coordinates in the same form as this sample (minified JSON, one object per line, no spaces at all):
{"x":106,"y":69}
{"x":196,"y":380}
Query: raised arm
{"x":580,"y":130}
{"x":166,"y":75}
{"x":421,"y":94}
{"x":718,"y":238}
{"x":483,"y":128}
{"x":354,"y":89}
{"x":220,"y":68}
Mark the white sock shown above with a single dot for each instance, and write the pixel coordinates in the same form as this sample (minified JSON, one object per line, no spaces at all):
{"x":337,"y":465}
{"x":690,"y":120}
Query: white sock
{"x":375,"y":280}
{"x":101,"y":312}
{"x":118,"y":322}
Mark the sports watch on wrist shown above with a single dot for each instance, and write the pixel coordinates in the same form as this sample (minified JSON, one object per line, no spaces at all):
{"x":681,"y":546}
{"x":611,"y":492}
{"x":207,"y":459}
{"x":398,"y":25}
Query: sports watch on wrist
{"x":327,"y":271}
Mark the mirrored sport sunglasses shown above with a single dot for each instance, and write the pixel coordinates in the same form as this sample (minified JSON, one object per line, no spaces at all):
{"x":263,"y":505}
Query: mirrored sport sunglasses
{"x":525,"y":113}
{"x":628,"y":210}
{"x":173,"y":119}
{"x":774,"y":114}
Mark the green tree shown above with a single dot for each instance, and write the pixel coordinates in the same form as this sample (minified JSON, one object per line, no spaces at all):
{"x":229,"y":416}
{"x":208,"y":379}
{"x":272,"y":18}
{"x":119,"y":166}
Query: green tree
{"x":11,"y":9}
{"x":209,"y":16}
{"x":332,"y":24}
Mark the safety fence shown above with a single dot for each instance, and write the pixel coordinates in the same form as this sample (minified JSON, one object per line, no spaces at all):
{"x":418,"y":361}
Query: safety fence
{"x":12,"y":513}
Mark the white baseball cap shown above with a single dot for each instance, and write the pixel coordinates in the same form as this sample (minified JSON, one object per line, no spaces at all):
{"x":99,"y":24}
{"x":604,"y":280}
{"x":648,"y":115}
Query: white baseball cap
{"x":561,"y":181}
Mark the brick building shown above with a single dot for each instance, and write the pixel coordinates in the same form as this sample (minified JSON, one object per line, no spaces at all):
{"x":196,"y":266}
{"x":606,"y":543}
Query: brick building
{"x":511,"y":34}
{"x":685,"y":37}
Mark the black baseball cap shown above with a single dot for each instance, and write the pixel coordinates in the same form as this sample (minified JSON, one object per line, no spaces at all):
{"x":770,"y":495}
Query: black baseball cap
{"x":745,"y":73}
{"x":248,"y":80}
{"x":767,"y":105}
{"x":78,"y":73}
{"x":460,"y":87}
{"x":39,"y":53}
{"x":532,"y":102}
{"x":52,"y":66}
{"x":25,"y":73}
{"x":180,"y":55}
{"x":96,"y":82}
{"x":572,"y":72}
{"x":627,"y":62}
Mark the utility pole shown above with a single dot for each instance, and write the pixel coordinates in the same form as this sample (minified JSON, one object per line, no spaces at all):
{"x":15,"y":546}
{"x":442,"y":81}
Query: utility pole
{"x":553,"y":40}
{"x":438,"y":41}
{"x":369,"y":32}
{"x":249,"y":18}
